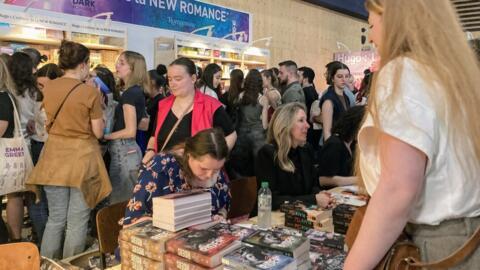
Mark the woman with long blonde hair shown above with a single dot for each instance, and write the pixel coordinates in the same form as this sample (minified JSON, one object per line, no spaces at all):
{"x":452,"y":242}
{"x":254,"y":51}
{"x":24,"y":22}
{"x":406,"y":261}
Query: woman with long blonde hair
{"x":418,"y":147}
{"x":286,"y":162}
{"x":124,"y":150}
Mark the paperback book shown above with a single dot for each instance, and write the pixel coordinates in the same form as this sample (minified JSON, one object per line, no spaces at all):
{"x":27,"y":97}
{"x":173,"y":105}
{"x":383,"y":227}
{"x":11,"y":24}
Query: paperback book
{"x":177,"y":211}
{"x":205,"y":247}
{"x":254,"y":257}
{"x":289,"y":245}
{"x":145,"y":239}
{"x":328,"y":239}
{"x":174,"y":262}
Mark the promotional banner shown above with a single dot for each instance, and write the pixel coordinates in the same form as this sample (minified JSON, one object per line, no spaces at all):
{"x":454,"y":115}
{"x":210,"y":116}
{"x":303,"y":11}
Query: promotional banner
{"x":188,"y":16}
{"x":8,"y":18}
{"x":357,"y":62}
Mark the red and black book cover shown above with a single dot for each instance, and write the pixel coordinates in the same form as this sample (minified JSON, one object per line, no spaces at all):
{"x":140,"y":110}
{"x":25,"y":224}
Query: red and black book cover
{"x":201,"y":246}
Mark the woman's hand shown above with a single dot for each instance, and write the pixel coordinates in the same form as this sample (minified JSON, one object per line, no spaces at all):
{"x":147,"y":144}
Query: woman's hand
{"x":107,"y":137}
{"x":31,"y":127}
{"x":219,"y":218}
{"x":149,"y":154}
{"x":325,"y":200}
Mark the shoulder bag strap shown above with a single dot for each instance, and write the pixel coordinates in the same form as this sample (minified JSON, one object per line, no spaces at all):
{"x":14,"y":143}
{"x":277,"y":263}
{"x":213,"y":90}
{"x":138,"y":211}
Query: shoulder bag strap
{"x":50,"y":125}
{"x":453,"y":259}
{"x":175,"y":126}
{"x":17,"y":130}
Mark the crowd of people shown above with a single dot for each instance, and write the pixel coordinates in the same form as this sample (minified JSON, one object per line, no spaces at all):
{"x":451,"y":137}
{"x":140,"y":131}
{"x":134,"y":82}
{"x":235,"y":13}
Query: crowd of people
{"x":99,"y":137}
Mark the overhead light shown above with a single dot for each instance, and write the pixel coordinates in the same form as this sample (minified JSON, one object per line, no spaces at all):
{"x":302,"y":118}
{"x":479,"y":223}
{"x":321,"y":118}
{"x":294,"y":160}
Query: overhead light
{"x":107,"y":15}
{"x":341,"y":45}
{"x":469,"y":35}
{"x":241,"y":36}
{"x":267,"y":39}
{"x":209,"y":29}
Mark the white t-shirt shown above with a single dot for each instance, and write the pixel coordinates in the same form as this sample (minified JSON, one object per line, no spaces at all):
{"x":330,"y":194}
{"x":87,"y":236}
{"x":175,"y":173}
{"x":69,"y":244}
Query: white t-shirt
{"x":447,"y":192}
{"x":208,"y":91}
{"x":26,"y":110}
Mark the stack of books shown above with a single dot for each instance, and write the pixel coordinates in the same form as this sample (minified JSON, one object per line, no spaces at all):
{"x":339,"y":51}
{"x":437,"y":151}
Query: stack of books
{"x":327,"y":250}
{"x":283,"y":242}
{"x":181,"y":210}
{"x":342,"y":216}
{"x":142,"y":246}
{"x":204,"y":249}
{"x":301,"y":217}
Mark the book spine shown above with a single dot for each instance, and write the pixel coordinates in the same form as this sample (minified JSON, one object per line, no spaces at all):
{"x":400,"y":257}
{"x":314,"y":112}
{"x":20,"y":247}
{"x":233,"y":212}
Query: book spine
{"x":234,"y":264}
{"x":175,"y":248}
{"x":174,"y":262}
{"x":298,"y":220}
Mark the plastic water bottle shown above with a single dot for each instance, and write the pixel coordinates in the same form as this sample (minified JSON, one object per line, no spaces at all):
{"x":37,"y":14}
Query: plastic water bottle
{"x":264,"y":207}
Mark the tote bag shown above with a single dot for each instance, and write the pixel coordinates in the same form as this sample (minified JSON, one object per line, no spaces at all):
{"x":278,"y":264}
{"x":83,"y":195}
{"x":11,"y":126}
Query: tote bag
{"x":15,"y":160}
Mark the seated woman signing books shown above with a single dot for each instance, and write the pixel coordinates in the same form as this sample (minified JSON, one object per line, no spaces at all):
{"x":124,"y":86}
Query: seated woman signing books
{"x":200,"y":166}
{"x":286,"y":161}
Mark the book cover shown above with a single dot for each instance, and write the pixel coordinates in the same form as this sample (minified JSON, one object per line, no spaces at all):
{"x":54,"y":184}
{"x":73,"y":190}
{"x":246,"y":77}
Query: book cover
{"x":204,"y":247}
{"x":288,"y":231}
{"x":238,"y":231}
{"x":174,"y":262}
{"x":328,"y":239}
{"x":350,"y":198}
{"x":254,"y":257}
{"x":145,"y":236}
{"x":289,"y":245}
{"x":325,"y":258}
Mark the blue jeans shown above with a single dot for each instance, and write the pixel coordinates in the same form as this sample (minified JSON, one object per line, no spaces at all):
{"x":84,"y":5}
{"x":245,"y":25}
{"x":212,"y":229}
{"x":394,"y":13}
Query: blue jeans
{"x":125,"y":161}
{"x":38,"y":213}
{"x":68,"y":214}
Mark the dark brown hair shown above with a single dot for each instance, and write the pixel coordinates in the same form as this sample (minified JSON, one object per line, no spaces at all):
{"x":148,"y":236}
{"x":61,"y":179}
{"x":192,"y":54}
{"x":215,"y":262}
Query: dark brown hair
{"x":270,"y":74}
{"x":253,"y":87}
{"x":236,"y":82}
{"x":206,"y":142}
{"x":72,"y":54}
{"x":20,"y":66}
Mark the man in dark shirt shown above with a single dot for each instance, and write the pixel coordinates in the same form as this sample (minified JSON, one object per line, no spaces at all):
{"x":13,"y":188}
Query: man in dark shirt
{"x":306,"y":76}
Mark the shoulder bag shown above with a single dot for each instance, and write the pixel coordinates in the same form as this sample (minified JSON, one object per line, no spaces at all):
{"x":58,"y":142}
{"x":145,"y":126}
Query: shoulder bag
{"x":50,"y":124}
{"x":15,"y":160}
{"x":175,"y":126}
{"x":404,"y":254}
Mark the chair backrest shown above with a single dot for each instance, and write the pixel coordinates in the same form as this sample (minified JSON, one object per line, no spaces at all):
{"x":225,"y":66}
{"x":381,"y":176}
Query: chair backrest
{"x":19,"y":256}
{"x":107,"y":226}
{"x":244,"y":196}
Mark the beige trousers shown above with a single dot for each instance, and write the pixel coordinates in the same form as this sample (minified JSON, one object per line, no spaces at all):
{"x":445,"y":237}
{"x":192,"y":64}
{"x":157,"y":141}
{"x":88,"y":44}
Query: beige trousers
{"x":438,"y":242}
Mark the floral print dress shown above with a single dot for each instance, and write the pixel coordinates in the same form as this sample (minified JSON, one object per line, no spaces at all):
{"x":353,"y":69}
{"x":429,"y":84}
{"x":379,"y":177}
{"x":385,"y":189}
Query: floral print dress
{"x":163,"y":176}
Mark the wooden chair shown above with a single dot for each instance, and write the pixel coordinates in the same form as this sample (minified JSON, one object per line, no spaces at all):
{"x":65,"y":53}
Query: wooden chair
{"x":244,"y":196}
{"x":19,"y":256}
{"x":108,"y":228}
